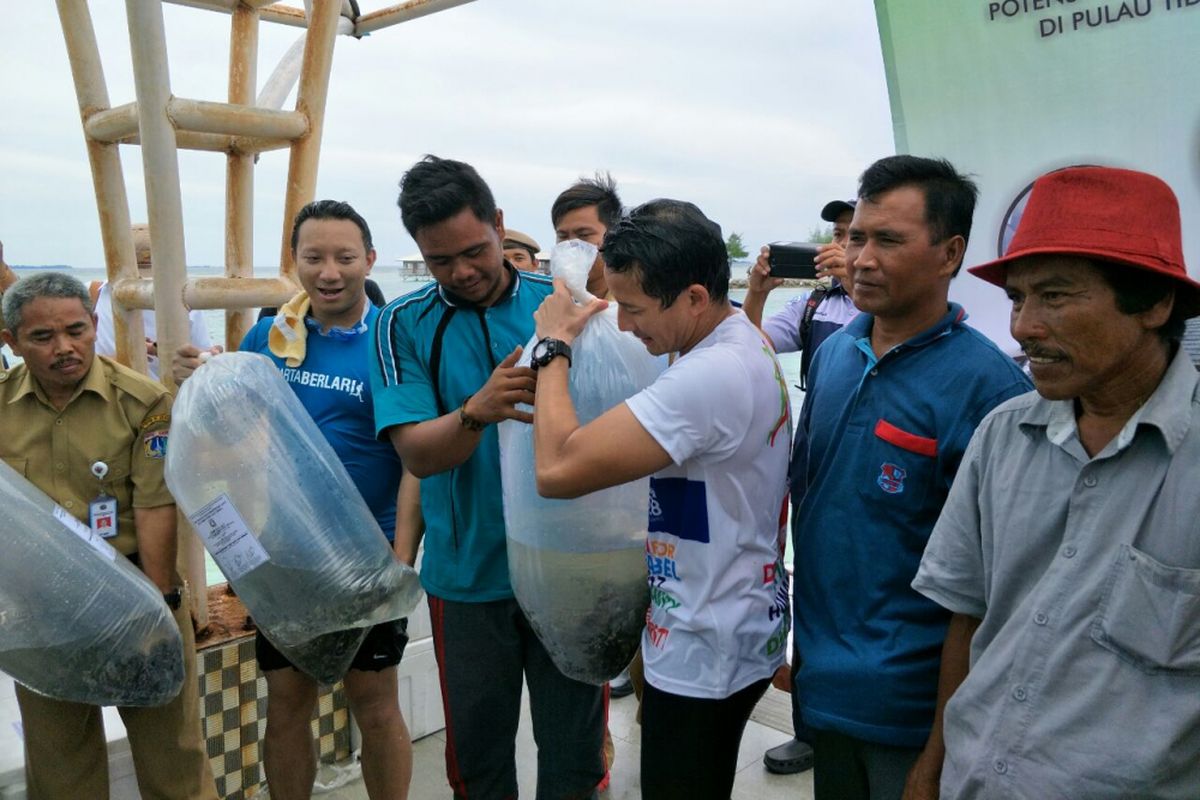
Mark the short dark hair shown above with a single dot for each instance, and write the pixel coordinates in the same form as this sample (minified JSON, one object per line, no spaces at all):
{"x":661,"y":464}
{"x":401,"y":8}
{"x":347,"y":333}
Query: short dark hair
{"x":672,"y":245}
{"x":1138,"y":290}
{"x":330,"y":209}
{"x":435,"y":189}
{"x":949,"y":195}
{"x":599,"y":191}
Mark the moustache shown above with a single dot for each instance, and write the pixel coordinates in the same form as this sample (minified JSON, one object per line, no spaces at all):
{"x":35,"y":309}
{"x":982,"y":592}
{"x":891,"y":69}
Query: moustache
{"x":1034,"y":351}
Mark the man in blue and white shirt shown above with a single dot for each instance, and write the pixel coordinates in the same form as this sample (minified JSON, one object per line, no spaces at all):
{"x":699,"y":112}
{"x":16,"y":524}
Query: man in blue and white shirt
{"x":895,"y":397}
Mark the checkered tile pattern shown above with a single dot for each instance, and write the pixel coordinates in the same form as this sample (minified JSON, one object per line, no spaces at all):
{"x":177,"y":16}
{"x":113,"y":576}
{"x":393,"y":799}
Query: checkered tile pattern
{"x":233,"y":707}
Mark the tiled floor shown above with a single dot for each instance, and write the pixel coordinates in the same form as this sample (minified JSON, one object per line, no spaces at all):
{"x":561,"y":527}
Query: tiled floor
{"x":429,"y":776}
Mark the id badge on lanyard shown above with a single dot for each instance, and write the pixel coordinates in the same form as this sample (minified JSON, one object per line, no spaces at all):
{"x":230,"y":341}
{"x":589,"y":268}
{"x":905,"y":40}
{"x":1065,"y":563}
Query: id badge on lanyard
{"x":102,"y":510}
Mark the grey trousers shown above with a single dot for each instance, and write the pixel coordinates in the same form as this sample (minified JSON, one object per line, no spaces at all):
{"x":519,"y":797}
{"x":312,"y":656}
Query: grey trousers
{"x":845,"y":768}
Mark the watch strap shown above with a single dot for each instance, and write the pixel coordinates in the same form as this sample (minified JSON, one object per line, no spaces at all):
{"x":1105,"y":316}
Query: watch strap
{"x":547,"y":349}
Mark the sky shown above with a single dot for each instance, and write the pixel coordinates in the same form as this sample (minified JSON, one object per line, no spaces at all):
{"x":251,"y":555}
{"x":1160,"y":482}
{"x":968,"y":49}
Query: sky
{"x":758,"y":111}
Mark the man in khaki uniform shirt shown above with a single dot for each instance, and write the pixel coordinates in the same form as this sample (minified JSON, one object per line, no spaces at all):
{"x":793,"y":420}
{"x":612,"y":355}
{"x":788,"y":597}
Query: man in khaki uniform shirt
{"x":61,"y":412}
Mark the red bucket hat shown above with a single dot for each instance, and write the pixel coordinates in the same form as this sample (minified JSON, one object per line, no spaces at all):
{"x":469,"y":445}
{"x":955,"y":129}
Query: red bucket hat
{"x":1118,"y":216}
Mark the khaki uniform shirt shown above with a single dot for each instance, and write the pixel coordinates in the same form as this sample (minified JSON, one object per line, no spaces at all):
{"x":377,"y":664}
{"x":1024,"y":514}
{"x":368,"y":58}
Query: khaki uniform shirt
{"x":116,"y":416}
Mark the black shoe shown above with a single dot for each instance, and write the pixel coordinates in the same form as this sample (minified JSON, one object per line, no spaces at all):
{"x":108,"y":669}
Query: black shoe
{"x":620,"y":686}
{"x":789,"y":758}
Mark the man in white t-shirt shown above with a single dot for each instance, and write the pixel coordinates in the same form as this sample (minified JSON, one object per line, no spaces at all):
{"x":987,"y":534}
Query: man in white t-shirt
{"x":106,"y":343}
{"x":713,"y":432}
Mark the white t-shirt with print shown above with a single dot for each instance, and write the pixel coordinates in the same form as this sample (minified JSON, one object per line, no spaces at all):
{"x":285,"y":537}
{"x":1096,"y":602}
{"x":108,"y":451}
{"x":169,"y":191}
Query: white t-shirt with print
{"x":719,"y":615}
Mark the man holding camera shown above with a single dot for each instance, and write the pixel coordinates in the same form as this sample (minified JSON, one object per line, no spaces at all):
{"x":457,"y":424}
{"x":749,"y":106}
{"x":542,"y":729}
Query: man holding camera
{"x":812,"y":317}
{"x":808,"y":319}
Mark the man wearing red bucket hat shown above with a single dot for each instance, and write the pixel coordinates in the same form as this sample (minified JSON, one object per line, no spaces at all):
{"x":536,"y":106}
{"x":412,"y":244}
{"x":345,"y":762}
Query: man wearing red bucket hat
{"x":1068,"y":549}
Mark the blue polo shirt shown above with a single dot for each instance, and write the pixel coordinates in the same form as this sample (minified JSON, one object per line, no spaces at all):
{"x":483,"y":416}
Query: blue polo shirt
{"x":879,"y":442}
{"x":432,"y":350}
{"x":333,"y":385}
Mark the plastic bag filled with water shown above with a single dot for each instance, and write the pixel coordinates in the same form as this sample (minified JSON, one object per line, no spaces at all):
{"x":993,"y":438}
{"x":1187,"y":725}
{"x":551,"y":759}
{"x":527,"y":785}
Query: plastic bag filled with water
{"x":281,"y":516}
{"x":578,"y":567}
{"x":78,"y":622}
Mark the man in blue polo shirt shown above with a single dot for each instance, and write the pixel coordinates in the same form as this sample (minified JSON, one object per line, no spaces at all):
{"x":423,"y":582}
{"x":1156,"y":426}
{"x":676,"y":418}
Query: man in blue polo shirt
{"x":320,"y":342}
{"x":894,"y":398}
{"x":322,"y":346}
{"x":443,"y":375}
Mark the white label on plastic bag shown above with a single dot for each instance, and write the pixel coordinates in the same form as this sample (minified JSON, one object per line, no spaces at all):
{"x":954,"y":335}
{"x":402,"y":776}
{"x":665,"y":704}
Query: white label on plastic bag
{"x":227,"y":538}
{"x":84,"y":532}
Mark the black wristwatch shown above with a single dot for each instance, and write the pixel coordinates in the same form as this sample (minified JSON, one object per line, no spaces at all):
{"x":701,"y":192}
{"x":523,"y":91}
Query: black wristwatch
{"x":546,"y":350}
{"x":173,"y":599}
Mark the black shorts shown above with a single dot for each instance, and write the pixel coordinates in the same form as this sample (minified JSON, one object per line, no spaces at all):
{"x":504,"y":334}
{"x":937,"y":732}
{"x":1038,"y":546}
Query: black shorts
{"x":382,"y":648}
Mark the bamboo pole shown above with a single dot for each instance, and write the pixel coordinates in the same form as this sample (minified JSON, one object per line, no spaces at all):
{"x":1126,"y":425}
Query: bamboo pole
{"x":212,"y":142}
{"x":160,"y":166}
{"x":401,"y":12}
{"x":310,"y":101}
{"x":160,"y":160}
{"x":239,"y":170}
{"x":226,"y":120}
{"x":108,"y":180}
{"x":270,"y":11}
{"x":235,"y":120}
{"x":112,"y":124}
{"x":212,"y":292}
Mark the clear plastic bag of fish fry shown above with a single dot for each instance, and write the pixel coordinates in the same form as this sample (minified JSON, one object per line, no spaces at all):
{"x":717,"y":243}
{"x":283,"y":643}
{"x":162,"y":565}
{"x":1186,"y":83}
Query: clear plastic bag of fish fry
{"x":78,"y":622}
{"x":578,"y":567}
{"x":281,"y":516}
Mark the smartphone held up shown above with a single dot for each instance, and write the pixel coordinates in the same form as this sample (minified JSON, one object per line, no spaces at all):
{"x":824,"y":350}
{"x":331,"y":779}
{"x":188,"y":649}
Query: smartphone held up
{"x":793,"y":260}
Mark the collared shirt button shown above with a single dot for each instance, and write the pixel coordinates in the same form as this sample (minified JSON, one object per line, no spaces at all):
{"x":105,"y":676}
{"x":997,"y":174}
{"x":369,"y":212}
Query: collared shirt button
{"x":69,"y":503}
{"x":1000,"y":766}
{"x":1040,"y":618}
{"x":58,"y":421}
{"x":60,"y":466}
{"x":874,"y":371}
{"x":1090,"y":481}
{"x":1068,"y":552}
{"x":1019,"y":694}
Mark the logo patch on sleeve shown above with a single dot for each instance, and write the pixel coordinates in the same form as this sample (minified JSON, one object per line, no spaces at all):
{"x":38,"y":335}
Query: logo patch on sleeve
{"x":891,"y":478}
{"x":155,"y":419}
{"x":155,"y":444}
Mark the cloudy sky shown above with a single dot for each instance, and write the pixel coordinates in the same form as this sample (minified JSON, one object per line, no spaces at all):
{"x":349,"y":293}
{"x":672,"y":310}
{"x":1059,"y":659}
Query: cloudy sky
{"x":759,"y":111}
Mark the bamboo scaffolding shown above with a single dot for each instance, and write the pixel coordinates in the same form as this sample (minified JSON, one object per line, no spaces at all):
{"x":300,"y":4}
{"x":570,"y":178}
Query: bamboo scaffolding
{"x":162,"y":124}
